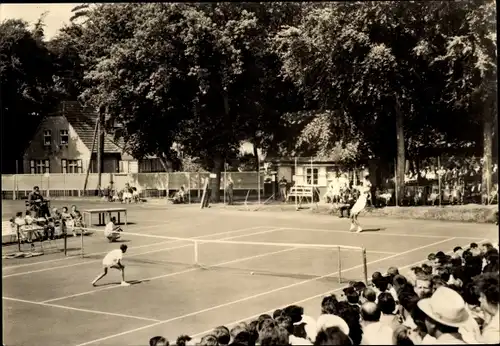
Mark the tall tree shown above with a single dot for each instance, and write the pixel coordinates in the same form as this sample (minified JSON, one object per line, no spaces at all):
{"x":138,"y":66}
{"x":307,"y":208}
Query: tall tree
{"x":26,"y":92}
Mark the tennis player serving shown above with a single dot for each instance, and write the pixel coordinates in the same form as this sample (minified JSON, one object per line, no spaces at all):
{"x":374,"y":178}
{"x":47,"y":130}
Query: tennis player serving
{"x":113,"y":260}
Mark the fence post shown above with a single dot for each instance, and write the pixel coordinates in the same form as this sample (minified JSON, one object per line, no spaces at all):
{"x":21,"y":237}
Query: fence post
{"x":189,"y":187}
{"x":168,"y":185}
{"x":14,"y":188}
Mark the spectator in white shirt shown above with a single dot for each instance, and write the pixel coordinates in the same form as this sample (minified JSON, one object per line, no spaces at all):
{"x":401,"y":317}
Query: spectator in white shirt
{"x":387,"y":306}
{"x":374,"y":333}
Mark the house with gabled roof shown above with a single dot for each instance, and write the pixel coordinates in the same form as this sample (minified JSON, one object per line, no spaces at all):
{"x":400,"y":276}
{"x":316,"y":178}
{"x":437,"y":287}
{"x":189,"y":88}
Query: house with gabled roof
{"x":63,"y":144}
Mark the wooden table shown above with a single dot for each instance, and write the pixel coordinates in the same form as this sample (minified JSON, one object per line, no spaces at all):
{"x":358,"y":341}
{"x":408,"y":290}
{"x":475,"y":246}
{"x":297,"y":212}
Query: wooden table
{"x":102,"y":212}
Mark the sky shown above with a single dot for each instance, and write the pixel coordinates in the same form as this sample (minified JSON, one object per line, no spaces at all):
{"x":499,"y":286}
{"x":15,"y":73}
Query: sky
{"x":57,"y":15}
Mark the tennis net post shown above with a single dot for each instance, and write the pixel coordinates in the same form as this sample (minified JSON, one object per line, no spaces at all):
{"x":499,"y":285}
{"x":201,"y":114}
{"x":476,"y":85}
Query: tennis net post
{"x":365,"y":265}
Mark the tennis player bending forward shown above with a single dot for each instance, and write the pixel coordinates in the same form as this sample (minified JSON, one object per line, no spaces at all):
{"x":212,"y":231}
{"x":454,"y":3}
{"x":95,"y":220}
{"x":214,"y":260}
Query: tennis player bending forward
{"x":113,"y":260}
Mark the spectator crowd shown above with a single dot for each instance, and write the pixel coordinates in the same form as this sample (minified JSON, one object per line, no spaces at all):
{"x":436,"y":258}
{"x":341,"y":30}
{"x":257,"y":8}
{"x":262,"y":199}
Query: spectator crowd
{"x":449,"y":299}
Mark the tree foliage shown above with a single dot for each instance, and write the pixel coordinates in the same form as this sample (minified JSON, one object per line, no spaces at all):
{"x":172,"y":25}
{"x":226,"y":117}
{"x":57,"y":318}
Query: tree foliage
{"x":26,"y":92}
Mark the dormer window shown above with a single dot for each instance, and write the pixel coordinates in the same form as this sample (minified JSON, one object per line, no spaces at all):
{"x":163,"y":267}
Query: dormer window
{"x":64,"y":137}
{"x":47,"y":138}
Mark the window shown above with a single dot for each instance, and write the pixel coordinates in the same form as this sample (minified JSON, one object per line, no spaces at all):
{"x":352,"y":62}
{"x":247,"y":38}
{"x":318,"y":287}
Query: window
{"x":71,"y":166}
{"x":64,"y":137}
{"x":47,"y":138}
{"x":312,"y":174}
{"x":39,"y":166}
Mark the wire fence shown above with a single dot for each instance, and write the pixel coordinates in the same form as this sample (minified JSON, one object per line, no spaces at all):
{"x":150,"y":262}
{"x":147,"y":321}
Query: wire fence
{"x":148,"y":185}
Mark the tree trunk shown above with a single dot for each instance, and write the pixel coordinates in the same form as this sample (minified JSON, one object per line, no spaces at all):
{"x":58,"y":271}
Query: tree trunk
{"x":487,"y":149}
{"x":400,"y":164}
{"x":256,"y":154}
{"x":165,"y":162}
{"x":218,"y":163}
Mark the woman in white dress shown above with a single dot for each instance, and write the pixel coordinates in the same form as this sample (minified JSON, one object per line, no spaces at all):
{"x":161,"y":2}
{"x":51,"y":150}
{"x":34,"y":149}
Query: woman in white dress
{"x":360,"y":205}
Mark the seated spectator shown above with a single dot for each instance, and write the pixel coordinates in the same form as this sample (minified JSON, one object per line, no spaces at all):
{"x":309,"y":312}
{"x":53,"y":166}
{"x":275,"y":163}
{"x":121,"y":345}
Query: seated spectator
{"x":332,"y":336}
{"x":374,"y":333}
{"x":445,"y":313}
{"x":329,"y":305}
{"x":474,"y":249}
{"x":387,"y":307}
{"x":368,"y":295}
{"x":112,"y":231}
{"x":352,"y":296}
{"x":273,"y":335}
{"x":487,"y":288}
{"x":222,"y":334}
{"x":423,"y":286}
{"x":404,"y":336}
{"x":240,"y":334}
{"x":351,"y":316}
{"x":208,"y":340}
{"x":158,"y":341}
{"x":491,"y":261}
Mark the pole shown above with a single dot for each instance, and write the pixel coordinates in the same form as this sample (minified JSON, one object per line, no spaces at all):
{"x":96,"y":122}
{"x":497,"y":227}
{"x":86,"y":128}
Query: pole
{"x":312,"y":182}
{"x":339,"y":259}
{"x":439,"y":180}
{"x":100,"y":146}
{"x":225,"y":182}
{"x":365,"y":266}
{"x":258,"y":178}
{"x":15,"y":180}
{"x":81,"y":238}
{"x":189,"y":187}
{"x":396,"y":185}
{"x":296,"y":206}
{"x":91,"y":152}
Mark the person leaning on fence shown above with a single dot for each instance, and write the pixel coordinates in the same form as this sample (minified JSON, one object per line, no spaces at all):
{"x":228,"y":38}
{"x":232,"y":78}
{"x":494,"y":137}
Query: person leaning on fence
{"x":112,"y":231}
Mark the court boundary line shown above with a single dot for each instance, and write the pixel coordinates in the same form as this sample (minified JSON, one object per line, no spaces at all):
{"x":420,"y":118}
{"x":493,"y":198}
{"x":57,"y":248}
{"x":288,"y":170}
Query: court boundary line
{"x":173,"y":274}
{"x":81,"y":310}
{"x":140,"y":246}
{"x":312,"y":297}
{"x":257,"y":295}
{"x":382,"y":233}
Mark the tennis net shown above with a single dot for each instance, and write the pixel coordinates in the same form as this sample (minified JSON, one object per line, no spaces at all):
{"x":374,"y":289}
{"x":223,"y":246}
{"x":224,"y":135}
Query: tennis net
{"x":294,"y":260}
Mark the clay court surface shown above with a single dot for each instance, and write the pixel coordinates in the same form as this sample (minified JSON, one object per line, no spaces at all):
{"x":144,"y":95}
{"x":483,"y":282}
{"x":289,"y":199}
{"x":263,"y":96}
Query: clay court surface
{"x":48,"y":300}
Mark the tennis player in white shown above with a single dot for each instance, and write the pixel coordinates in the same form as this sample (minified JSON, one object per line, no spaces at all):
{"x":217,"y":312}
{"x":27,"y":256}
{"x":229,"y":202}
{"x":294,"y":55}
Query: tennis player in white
{"x":360,"y":204}
{"x":113,"y":260}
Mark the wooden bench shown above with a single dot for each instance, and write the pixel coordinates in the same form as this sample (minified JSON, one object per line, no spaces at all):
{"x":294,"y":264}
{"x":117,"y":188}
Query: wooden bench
{"x":301,"y":192}
{"x":102,"y":212}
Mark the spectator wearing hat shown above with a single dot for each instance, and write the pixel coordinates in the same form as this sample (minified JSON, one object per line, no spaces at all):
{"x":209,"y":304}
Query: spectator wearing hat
{"x":326,"y":321}
{"x":374,"y":333}
{"x":487,"y":288}
{"x":445,"y":313}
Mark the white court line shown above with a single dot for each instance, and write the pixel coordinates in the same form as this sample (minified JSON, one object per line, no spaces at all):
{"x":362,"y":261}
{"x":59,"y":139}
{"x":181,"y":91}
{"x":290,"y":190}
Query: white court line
{"x":256,"y":295}
{"x":309,"y":298}
{"x":171,"y":274}
{"x":81,"y":310}
{"x":137,"y":247}
{"x":379,"y":233}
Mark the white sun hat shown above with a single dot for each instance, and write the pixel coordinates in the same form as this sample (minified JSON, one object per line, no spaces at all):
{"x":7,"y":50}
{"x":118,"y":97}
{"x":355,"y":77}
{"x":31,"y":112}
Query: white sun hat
{"x":326,"y":321}
{"x":446,"y":307}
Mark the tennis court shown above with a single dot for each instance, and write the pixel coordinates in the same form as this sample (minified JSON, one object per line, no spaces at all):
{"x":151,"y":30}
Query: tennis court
{"x":49,"y":299}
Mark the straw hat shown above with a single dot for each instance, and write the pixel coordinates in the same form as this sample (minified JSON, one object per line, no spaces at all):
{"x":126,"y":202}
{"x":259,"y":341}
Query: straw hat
{"x":446,"y":307}
{"x":326,"y":321}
